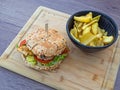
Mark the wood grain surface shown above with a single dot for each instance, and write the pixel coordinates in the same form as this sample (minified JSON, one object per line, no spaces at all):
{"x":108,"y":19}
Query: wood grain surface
{"x":15,"y":13}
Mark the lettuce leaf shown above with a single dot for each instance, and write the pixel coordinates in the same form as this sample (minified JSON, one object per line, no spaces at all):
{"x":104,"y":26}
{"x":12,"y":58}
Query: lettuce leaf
{"x":31,"y":60}
{"x":56,"y":59}
{"x":17,"y":46}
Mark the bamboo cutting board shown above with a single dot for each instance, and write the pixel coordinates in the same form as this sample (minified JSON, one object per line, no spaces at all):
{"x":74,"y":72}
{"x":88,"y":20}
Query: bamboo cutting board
{"x":79,"y":71}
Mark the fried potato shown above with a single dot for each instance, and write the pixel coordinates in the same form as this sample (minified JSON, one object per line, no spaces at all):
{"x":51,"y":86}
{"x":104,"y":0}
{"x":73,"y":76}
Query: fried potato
{"x":72,"y":33}
{"x":75,"y":32}
{"x":85,"y":19}
{"x":95,"y":28}
{"x":82,"y":18}
{"x":89,"y":15}
{"x":89,"y":24}
{"x":79,"y":28}
{"x":100,"y":31}
{"x":98,"y":42}
{"x":97,"y":18}
{"x":107,"y":39}
{"x":86,"y":30}
{"x":92,"y":43}
{"x":87,"y":38}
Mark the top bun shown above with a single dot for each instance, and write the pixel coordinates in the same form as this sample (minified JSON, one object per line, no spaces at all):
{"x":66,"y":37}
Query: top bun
{"x":43,"y":43}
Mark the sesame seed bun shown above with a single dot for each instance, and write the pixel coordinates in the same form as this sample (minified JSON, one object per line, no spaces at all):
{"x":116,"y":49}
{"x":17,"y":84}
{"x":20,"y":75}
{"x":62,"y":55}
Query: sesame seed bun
{"x":41,"y":43}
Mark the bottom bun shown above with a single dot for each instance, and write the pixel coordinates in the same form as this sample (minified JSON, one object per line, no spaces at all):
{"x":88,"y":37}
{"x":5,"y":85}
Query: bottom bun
{"x":37,"y":67}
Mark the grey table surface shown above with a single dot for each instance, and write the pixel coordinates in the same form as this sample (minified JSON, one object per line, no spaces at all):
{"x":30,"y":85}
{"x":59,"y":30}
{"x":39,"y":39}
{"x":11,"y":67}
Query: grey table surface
{"x":15,"y":13}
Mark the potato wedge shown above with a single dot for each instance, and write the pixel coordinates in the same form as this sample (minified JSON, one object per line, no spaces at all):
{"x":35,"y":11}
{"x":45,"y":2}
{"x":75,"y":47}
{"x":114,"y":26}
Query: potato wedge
{"x":89,"y":24}
{"x":97,"y":18}
{"x":107,"y":39}
{"x":76,"y":24}
{"x":87,"y":38}
{"x":79,"y":27}
{"x":89,"y":15}
{"x":72,"y":33}
{"x":92,"y":44}
{"x":98,"y":42}
{"x":82,"y":19}
{"x":95,"y":28}
{"x":99,"y":31}
{"x":105,"y":34}
{"x":87,"y":30}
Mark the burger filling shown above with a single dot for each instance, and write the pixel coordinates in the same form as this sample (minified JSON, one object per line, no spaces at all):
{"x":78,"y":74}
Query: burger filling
{"x":41,"y":60}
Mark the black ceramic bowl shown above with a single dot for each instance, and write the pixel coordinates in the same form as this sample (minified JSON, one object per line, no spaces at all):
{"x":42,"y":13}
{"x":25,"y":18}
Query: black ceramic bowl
{"x":105,"y":22}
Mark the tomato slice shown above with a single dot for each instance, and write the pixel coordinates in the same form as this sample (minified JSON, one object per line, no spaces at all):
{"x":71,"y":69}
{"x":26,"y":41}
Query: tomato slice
{"x":23,"y":42}
{"x":66,"y":50}
{"x":41,"y":60}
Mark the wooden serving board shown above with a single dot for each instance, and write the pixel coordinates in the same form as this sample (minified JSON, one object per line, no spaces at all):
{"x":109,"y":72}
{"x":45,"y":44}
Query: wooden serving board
{"x":79,"y":71}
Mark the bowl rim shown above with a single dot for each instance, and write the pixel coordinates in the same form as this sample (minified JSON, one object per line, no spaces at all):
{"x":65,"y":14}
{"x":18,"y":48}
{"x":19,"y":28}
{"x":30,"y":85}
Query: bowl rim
{"x":102,"y":14}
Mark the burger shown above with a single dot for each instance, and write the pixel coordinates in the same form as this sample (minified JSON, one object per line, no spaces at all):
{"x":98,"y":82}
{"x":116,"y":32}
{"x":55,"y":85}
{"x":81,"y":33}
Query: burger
{"x":43,"y":50}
